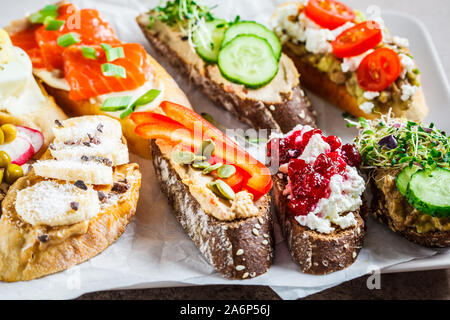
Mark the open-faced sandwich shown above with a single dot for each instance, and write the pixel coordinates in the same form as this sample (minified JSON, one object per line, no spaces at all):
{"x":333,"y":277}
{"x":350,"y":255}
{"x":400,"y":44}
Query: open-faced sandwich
{"x":88,"y":70}
{"x":237,"y":64}
{"x":349,"y":59}
{"x":219,"y":193}
{"x":73,"y":204}
{"x":408,"y":165}
{"x":317,"y":191}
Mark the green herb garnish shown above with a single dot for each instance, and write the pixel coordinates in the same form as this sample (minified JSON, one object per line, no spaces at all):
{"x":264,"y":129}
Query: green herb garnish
{"x":68,"y":39}
{"x":112,"y":70}
{"x":40,"y":16}
{"x":89,"y":53}
{"x":116,"y":103}
{"x":114,"y":53}
{"x":53,"y":25}
{"x":146,"y":98}
{"x":397,"y":143}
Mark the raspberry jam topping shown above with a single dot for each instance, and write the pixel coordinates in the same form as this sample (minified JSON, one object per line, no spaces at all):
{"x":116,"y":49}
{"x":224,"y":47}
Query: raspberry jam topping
{"x":308,"y":177}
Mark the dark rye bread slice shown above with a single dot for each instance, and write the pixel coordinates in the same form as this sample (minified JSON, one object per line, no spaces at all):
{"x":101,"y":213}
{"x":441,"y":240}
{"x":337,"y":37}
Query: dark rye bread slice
{"x":315,"y":252}
{"x":283,"y":117}
{"x":433,"y":239}
{"x":238,"y":249}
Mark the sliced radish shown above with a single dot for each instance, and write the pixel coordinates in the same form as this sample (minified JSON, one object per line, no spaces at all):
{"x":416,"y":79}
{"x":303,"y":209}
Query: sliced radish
{"x":20,"y":150}
{"x":35,"y":137}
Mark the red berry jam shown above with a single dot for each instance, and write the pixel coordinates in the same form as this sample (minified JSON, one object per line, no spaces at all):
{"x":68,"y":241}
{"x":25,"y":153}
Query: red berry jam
{"x":309,"y":182}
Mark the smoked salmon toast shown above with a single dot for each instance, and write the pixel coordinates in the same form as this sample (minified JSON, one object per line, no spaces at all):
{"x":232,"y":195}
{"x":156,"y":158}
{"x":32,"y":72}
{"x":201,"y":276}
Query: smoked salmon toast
{"x":89,"y":71}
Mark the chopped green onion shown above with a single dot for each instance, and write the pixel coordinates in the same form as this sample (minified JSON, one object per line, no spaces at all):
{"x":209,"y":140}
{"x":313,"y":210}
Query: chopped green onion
{"x":112,"y":70}
{"x":89,"y":53}
{"x":114,"y":53}
{"x":68,"y":39}
{"x":105,"y":46}
{"x":146,"y":98}
{"x":116,"y":103}
{"x":52,"y":24}
{"x":47,"y":11}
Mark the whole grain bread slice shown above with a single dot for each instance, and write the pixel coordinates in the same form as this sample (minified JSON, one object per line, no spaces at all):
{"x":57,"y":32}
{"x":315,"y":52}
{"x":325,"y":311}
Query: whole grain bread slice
{"x":319,"y":83}
{"x":432,"y":239}
{"x":315,"y":252}
{"x":293,"y":110}
{"x":237,"y":249}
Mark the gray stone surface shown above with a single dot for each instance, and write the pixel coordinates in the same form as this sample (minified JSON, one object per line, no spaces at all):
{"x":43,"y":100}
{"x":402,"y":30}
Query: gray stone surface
{"x":413,"y":285}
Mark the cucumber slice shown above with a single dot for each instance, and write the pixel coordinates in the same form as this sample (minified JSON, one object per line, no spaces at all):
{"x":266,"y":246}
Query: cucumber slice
{"x":208,"y":38}
{"x":429,"y":192}
{"x":248,"y":60}
{"x":404,"y":177}
{"x":257,"y":29}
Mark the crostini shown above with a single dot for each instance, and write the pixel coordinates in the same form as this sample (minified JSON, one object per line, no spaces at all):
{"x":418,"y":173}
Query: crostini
{"x":88,"y":70}
{"x":219,"y":193}
{"x":408,"y":166}
{"x":349,"y":59}
{"x":317,"y":192}
{"x":73,"y":204}
{"x":23,"y":102}
{"x":237,"y":64}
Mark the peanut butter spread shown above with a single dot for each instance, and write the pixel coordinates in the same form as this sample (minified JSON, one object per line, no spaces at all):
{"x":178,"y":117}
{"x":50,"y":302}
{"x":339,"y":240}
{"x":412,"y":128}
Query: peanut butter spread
{"x":277,"y":91}
{"x":401,"y":212}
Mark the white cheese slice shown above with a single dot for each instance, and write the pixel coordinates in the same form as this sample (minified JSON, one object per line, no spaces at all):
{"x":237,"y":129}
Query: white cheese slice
{"x":70,"y":170}
{"x":79,"y":128}
{"x":56,"y":204}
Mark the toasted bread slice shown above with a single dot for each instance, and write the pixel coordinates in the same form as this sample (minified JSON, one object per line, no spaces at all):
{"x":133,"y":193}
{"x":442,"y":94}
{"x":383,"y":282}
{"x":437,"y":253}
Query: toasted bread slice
{"x":380,"y":210}
{"x":280,"y":105}
{"x":50,"y":225}
{"x":319,"y":83}
{"x":237,"y":249}
{"x":314,"y":252}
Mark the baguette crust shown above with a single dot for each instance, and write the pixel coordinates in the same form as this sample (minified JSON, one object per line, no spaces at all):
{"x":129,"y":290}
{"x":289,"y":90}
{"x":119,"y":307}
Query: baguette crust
{"x":319,"y":83}
{"x":24,"y":257}
{"x":314,"y":252}
{"x":434,"y":239}
{"x":219,"y":241}
{"x":295,"y":109}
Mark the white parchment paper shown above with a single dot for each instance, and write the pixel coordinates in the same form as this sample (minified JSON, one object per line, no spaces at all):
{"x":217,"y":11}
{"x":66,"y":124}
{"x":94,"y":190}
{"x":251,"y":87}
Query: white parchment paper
{"x":154,"y":251}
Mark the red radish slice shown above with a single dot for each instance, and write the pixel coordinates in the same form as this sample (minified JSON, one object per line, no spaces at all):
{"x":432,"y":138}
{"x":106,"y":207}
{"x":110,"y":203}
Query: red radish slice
{"x":20,"y":150}
{"x":35,"y":137}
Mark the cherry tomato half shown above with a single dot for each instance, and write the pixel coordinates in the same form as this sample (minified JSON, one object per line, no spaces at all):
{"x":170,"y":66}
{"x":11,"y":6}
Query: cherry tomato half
{"x":378,"y":70}
{"x":357,"y":39}
{"x":329,"y":14}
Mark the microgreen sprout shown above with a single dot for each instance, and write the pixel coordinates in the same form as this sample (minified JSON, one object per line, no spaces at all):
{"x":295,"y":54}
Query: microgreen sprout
{"x":416,"y":144}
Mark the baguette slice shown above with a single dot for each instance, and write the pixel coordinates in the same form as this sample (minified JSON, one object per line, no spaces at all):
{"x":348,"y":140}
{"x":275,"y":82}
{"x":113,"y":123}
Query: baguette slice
{"x":337,"y":94}
{"x":380,"y":210}
{"x":314,"y":252}
{"x":238,"y":249}
{"x":272,"y":108}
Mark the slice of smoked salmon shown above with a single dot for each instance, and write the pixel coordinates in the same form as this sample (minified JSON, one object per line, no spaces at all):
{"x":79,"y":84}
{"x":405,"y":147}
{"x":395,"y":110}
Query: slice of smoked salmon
{"x":86,"y":78}
{"x":86,"y":22}
{"x":26,"y":40}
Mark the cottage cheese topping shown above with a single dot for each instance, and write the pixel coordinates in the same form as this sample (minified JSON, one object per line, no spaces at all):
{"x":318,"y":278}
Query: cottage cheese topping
{"x":345,"y":188}
{"x":367,"y":107}
{"x":345,"y":197}
{"x":408,"y":91}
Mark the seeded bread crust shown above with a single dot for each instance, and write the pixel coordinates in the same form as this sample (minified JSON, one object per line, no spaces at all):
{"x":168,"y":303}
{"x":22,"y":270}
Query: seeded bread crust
{"x":319,"y":83}
{"x":433,"y":239}
{"x":238,"y":249}
{"x":296,"y":109}
{"x":318,"y":253}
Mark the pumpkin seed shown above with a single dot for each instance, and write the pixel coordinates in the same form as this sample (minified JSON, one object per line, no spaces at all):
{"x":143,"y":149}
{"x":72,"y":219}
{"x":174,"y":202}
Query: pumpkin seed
{"x":226,"y":171}
{"x":199,"y":158}
{"x":206,"y":149}
{"x":183,"y":157}
{"x":225,"y":190}
{"x":212,"y":168}
{"x":201,"y":165}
